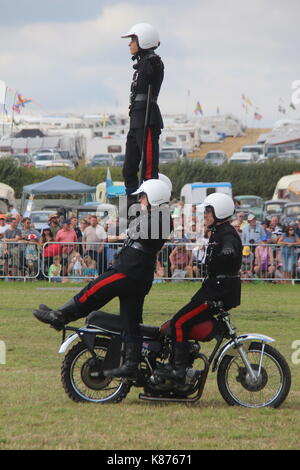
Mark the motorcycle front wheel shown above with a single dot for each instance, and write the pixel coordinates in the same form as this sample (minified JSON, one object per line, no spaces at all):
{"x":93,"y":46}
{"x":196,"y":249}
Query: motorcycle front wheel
{"x":83,"y":380}
{"x":273,"y":378}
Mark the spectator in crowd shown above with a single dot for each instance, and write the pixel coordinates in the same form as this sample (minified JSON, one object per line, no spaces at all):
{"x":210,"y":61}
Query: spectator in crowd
{"x":240,"y":216}
{"x":76,"y":264}
{"x":48,"y":250}
{"x":29,"y":249}
{"x":67,"y":237}
{"x":236,"y":223}
{"x":54,"y":272}
{"x":297,"y":230}
{"x":288,"y":240}
{"x":76,"y":228}
{"x":199,"y":255}
{"x":13,"y":210}
{"x":181,"y":261}
{"x":3,"y":225}
{"x":13,"y":235}
{"x":53,"y":223}
{"x":253,"y":232}
{"x":247,"y":262}
{"x":266,"y":228}
{"x":264,"y":264}
{"x":275,"y":229}
{"x":90,"y":270}
{"x":93,"y":238}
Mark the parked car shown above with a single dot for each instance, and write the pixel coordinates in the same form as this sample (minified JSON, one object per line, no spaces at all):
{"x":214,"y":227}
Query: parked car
{"x":290,"y":155}
{"x":119,"y":159}
{"x":255,"y":148}
{"x":181,"y":151}
{"x":64,"y":164}
{"x":249,"y":203}
{"x":23,"y":159}
{"x":291,"y":212}
{"x":168,"y":156}
{"x":42,"y":160}
{"x":243,"y":158}
{"x":103,"y":159}
{"x":273,"y":207}
{"x":66,"y":155}
{"x":215,"y":157}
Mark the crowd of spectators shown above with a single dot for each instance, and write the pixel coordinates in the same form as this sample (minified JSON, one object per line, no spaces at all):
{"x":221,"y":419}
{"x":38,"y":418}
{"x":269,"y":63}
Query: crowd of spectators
{"x":82,"y":249}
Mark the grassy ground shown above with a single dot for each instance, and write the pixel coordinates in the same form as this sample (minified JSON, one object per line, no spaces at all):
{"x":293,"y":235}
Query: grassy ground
{"x":35,"y":412}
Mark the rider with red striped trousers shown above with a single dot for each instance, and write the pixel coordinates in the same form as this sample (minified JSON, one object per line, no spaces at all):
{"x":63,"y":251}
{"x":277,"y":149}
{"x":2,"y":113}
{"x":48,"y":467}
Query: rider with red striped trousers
{"x":130,"y":277}
{"x":223,"y":260}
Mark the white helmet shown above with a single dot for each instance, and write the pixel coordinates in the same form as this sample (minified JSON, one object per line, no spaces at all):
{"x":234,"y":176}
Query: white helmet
{"x":222,"y":205}
{"x":147,"y":35}
{"x":157,"y":191}
{"x":166,"y":179}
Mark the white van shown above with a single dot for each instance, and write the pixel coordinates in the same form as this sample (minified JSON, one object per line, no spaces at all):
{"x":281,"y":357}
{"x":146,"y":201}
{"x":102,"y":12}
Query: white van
{"x":243,"y":157}
{"x":195,"y":193}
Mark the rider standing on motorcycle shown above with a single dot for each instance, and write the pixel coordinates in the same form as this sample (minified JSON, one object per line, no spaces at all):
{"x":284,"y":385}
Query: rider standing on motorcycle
{"x":148,"y":70}
{"x":223,"y":260}
{"x":130,"y":277}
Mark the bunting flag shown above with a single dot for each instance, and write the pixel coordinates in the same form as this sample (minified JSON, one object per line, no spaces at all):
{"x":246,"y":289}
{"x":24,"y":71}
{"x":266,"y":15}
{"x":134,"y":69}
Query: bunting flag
{"x":293,"y":106}
{"x":198,"y":108}
{"x":246,"y":100}
{"x":257,"y":116}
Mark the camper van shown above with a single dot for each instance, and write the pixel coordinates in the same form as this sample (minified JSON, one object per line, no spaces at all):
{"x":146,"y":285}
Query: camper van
{"x":99,"y":145}
{"x":288,"y":188}
{"x":195,"y":193}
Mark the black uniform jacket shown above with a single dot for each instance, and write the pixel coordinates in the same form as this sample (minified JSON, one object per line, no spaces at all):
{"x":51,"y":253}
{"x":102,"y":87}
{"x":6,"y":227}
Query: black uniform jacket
{"x":149,"y":69}
{"x":149,"y":232}
{"x":223,"y":260}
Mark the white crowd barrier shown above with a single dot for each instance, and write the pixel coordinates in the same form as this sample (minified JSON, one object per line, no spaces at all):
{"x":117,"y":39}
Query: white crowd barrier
{"x":60,"y":262}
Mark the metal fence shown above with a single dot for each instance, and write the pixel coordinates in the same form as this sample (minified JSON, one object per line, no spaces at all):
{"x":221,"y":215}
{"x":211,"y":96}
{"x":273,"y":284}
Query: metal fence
{"x":61,"y":262}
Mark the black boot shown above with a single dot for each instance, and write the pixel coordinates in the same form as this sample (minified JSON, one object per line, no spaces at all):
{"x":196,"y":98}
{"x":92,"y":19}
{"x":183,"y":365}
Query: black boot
{"x":60,"y":317}
{"x":129,"y":368}
{"x":177,"y":370}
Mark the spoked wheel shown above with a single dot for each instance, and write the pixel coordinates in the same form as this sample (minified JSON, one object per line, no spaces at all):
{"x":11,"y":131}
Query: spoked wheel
{"x":83,"y":380}
{"x":272,"y":384}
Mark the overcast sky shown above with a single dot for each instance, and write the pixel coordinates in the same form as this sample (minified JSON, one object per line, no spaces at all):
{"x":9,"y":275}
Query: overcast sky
{"x":67,"y":55}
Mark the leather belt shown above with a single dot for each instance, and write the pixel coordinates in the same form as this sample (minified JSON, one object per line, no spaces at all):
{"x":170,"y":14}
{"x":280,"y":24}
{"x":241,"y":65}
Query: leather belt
{"x":143,"y":97}
{"x":224,"y":276}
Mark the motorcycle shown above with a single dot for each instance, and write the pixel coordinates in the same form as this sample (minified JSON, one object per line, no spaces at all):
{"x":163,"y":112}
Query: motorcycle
{"x":250,"y":372}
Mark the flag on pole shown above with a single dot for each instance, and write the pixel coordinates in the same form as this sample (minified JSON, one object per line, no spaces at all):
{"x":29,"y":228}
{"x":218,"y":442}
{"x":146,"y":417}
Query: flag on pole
{"x":198,"y":108}
{"x":22,"y":101}
{"x":257,"y":116}
{"x":108,"y":181}
{"x":2,"y":92}
{"x":103,"y":120}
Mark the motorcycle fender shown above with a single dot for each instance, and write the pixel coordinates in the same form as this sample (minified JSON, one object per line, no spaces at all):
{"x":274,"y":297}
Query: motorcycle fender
{"x":64,"y":346}
{"x":246,"y":339}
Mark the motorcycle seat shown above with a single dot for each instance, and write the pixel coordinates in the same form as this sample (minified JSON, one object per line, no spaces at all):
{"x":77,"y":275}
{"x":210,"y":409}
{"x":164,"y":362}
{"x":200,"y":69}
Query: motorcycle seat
{"x":113,"y":323}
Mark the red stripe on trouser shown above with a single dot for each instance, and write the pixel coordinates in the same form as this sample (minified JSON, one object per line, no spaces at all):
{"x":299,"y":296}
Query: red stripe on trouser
{"x":187,"y":316}
{"x":100,"y":284}
{"x":149,"y":156}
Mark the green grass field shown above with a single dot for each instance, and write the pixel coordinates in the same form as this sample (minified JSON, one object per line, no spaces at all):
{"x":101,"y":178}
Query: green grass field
{"x":36,"y":413}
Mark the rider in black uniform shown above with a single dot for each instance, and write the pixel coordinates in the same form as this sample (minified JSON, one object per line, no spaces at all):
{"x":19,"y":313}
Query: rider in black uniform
{"x":130,"y":277}
{"x":222,"y":283}
{"x":148,"y":70}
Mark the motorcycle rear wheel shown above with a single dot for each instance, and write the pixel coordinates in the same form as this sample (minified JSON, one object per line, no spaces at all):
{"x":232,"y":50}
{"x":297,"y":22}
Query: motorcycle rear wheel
{"x":273,"y":383}
{"x":82,"y":379}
